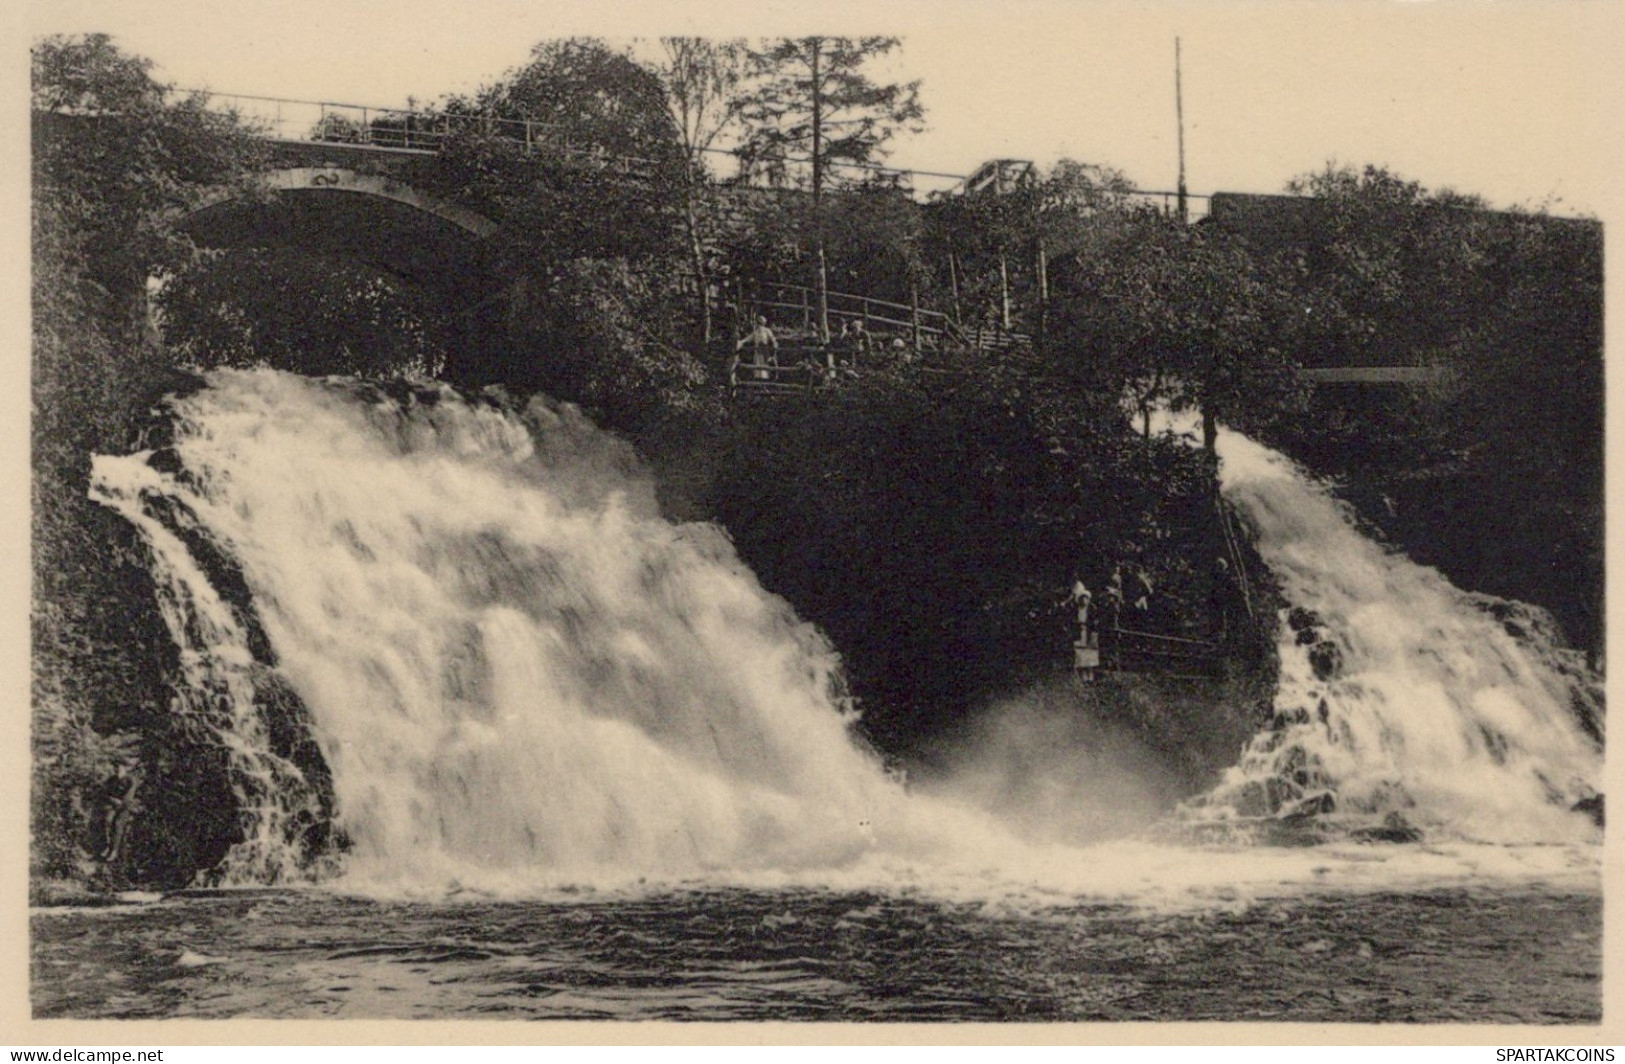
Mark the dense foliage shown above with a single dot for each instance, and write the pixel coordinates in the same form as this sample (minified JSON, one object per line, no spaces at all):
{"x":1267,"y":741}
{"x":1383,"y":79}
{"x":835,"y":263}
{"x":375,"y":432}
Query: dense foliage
{"x":1181,"y":317}
{"x":115,"y":153}
{"x":933,"y":523}
{"x":1510,"y":445}
{"x":815,"y":118}
{"x":295,"y":310}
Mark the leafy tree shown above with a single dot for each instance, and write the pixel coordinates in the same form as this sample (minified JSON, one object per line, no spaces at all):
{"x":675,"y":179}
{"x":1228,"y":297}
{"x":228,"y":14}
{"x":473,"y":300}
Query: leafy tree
{"x":876,"y":243}
{"x":1528,"y":416}
{"x":1382,"y":271}
{"x":702,"y":80}
{"x":600,"y":171}
{"x":598,"y":184}
{"x":997,"y":241}
{"x":813,"y":105}
{"x":1180,"y":316}
{"x":583,"y":99}
{"x":116,"y":151}
{"x":977,"y":232}
{"x":1073,"y":198}
{"x":603,"y":340}
{"x":932,"y":522}
{"x":1389,"y":270}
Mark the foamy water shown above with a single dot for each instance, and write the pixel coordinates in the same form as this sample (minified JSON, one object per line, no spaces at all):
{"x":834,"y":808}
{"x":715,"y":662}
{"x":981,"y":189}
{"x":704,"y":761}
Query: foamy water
{"x":1427,"y":705}
{"x":523,"y":678}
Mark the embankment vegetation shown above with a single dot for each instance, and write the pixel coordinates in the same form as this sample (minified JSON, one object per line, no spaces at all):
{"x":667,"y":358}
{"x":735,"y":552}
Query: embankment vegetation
{"x":114,"y":155}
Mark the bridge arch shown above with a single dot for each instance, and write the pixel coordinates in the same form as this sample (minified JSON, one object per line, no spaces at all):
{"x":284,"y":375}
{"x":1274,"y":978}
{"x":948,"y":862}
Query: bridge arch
{"x":456,"y":256}
{"x":374,"y":218}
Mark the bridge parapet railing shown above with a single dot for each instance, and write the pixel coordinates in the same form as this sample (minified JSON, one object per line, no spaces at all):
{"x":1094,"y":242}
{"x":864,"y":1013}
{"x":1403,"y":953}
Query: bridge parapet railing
{"x":413,"y":129}
{"x":403,"y":129}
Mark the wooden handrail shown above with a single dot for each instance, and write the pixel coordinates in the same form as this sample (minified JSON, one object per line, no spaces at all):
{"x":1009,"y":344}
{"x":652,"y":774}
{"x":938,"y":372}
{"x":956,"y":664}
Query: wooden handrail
{"x":792,"y":287}
{"x":1233,"y":548}
{"x":1205,"y":644}
{"x":834,"y":313}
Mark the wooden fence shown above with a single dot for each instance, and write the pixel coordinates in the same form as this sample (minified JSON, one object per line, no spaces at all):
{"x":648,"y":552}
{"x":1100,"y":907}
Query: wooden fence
{"x":1127,"y":650}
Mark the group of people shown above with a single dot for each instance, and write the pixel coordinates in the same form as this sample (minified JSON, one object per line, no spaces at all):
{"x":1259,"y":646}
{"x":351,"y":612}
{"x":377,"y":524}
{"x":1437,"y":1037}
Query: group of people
{"x":1134,"y":593}
{"x":759,"y":350}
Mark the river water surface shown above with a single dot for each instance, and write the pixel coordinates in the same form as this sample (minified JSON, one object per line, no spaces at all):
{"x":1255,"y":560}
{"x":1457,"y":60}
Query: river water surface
{"x":1477,"y":955}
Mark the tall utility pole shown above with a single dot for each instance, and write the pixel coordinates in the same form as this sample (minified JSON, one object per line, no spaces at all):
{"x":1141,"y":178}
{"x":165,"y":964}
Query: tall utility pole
{"x":1179,"y":114}
{"x":816,"y":47}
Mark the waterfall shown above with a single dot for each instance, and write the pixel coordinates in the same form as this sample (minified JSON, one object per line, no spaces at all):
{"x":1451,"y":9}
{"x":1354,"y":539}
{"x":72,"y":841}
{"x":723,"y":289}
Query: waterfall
{"x":1405,"y":705}
{"x":510,"y":660}
{"x":505,"y":669}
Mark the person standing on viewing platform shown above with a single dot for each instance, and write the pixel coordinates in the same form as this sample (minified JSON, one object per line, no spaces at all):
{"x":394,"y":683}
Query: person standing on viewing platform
{"x":859,"y":340}
{"x":1086,"y":648}
{"x":764,"y":347}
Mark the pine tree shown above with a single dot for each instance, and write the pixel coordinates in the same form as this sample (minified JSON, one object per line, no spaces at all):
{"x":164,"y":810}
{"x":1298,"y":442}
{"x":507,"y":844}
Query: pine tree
{"x":815,"y":107}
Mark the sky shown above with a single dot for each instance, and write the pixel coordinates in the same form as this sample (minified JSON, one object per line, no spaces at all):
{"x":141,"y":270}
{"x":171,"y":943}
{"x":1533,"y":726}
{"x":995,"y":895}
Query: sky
{"x":1509,"y":100}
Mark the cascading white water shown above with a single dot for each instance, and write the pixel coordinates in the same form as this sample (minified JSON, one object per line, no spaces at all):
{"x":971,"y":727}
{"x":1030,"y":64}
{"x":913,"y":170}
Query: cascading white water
{"x":218,"y":694}
{"x":520,"y":675}
{"x":512,"y":662}
{"x":1399,"y":693}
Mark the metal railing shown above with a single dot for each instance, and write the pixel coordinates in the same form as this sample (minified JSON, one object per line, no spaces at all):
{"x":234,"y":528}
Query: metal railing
{"x":413,"y":129}
{"x":803,"y":375}
{"x":1129,"y":650}
{"x":407,"y":129}
{"x":1232,"y":546}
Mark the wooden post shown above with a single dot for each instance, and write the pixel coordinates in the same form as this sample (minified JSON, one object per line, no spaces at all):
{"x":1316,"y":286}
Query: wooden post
{"x":914,"y":312}
{"x":1004,"y":269}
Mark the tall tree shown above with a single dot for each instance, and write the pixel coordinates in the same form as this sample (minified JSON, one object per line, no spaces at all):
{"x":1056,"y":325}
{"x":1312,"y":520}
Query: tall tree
{"x":583,"y":98}
{"x":814,"y":106}
{"x":702,"y":79}
{"x":1395,"y":271}
{"x":116,"y":152}
{"x":546,"y":150}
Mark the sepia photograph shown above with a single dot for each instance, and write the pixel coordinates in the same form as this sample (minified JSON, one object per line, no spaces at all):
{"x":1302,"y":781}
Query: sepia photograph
{"x":1053,"y":513}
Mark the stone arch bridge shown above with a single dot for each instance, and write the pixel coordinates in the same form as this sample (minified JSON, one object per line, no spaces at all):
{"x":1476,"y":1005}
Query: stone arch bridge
{"x":362,"y":206}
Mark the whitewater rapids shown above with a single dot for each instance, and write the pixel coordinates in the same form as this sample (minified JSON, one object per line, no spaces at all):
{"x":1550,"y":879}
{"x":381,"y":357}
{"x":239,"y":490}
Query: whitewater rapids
{"x":522,"y":678}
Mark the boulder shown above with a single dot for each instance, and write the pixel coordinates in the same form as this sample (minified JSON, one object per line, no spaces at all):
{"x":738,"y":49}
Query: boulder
{"x":1326,"y":659}
{"x":1299,"y":618}
{"x":1394,"y":828}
